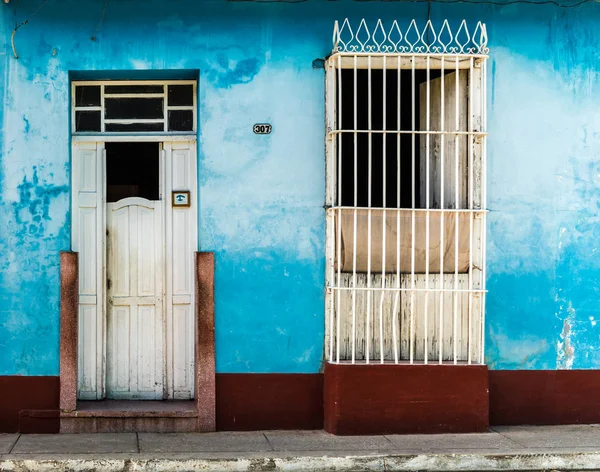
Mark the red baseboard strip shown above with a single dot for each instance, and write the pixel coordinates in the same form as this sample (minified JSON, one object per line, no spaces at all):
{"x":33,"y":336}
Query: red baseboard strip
{"x":358,"y":400}
{"x":388,"y":399}
{"x":19,"y":393}
{"x":544,"y":397}
{"x":39,"y":421}
{"x":247,"y":402}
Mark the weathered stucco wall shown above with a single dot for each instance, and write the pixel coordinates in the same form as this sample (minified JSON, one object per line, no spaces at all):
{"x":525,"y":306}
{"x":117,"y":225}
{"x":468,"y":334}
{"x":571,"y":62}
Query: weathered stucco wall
{"x":544,"y":192}
{"x":261,"y":198}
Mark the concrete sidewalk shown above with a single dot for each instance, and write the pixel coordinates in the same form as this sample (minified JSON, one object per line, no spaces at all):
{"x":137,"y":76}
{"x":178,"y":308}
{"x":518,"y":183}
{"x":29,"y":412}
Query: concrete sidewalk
{"x":504,"y":448}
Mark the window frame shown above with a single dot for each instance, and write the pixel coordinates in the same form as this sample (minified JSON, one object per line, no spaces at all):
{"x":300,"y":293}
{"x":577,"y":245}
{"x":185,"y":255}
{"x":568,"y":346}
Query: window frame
{"x":102,"y":108}
{"x":364,"y":49}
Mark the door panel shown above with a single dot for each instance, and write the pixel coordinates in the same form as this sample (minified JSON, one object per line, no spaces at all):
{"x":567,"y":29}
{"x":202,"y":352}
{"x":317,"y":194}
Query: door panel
{"x":181,"y":243}
{"x":87,"y":240}
{"x":135,"y":270}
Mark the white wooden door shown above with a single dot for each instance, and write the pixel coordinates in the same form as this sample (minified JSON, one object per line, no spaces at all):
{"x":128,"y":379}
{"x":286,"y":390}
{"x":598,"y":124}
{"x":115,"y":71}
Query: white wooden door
{"x":88,"y":240}
{"x":135,"y":314}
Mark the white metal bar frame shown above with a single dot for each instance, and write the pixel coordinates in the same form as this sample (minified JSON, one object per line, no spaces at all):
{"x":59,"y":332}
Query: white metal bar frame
{"x":435,"y":315}
{"x":103,"y":95}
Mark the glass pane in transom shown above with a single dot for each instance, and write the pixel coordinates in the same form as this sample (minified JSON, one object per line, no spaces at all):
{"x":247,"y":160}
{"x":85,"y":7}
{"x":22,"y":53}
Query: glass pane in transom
{"x":133,"y":108}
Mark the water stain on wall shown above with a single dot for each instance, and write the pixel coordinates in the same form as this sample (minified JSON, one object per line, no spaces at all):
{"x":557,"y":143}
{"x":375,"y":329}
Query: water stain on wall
{"x":32,"y":209}
{"x":233,"y":66}
{"x":29,"y":275}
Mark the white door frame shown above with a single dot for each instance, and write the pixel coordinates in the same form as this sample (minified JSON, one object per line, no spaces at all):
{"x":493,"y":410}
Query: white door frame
{"x":88,"y":235}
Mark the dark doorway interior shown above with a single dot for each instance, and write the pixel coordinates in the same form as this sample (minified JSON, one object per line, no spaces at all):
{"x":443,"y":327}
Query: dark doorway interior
{"x":132,"y":170}
{"x":389,"y":155}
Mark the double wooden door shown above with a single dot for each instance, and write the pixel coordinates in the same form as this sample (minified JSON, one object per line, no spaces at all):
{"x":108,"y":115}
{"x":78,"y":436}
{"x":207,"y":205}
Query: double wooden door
{"x":136,"y":279}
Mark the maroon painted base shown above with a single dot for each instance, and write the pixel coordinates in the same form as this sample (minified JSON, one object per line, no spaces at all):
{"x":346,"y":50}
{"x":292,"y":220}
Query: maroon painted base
{"x":544,"y":397}
{"x":22,"y":398}
{"x":386,"y":399}
{"x":247,"y":402}
{"x":358,"y":400}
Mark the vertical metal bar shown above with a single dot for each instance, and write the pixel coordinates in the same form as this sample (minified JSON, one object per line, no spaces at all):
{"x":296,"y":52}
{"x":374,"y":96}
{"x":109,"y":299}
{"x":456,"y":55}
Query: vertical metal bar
{"x":336,"y":201}
{"x":339,"y":214}
{"x":442,"y":204}
{"x":369,"y":203}
{"x":470,"y":293}
{"x":456,"y":215}
{"x":484,"y":206}
{"x":470,"y":189}
{"x":332,"y":290}
{"x":383,"y":229}
{"x":339,"y":292}
{"x":332,"y":286}
{"x":398,"y":214}
{"x":355,"y":217}
{"x":427,"y":206}
{"x":413,"y":190}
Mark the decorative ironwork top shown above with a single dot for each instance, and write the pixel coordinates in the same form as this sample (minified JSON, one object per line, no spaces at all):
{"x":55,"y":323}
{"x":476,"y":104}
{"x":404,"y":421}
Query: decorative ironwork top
{"x":429,"y":40}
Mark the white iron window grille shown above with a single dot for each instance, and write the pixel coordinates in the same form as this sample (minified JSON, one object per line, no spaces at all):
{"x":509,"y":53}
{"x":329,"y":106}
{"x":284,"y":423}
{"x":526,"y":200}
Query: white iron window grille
{"x":133,"y":107}
{"x":406,"y":196}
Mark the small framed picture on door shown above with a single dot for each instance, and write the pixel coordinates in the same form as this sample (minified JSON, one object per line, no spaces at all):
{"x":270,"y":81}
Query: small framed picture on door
{"x":181,"y":199}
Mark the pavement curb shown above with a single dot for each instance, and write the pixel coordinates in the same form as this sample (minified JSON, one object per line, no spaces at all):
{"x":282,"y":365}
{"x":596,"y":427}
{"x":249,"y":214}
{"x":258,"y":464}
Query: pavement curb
{"x":389,"y":462}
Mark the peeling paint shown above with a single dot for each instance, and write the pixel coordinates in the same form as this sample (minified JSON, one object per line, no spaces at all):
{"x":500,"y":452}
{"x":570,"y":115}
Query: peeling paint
{"x":565,"y":352}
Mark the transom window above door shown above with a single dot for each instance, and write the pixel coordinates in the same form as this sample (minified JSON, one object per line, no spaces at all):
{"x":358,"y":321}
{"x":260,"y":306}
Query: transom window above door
{"x":134,"y":107}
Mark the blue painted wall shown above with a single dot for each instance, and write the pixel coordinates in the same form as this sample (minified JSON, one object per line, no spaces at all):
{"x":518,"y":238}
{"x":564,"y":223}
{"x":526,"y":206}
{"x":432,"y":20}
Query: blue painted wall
{"x":261,"y":198}
{"x":544,"y":191}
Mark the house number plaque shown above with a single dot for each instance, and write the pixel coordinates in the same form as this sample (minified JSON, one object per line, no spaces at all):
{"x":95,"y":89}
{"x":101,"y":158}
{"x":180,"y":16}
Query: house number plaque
{"x":181,"y":199}
{"x":262,"y":128}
